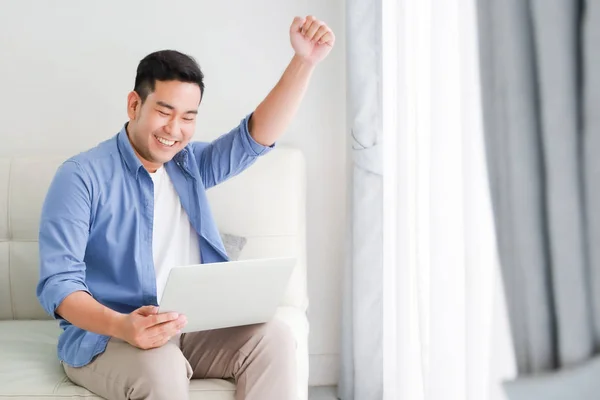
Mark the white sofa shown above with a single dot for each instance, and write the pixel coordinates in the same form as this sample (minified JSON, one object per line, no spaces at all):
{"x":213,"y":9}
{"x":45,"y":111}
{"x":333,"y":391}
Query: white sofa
{"x":266,"y":204}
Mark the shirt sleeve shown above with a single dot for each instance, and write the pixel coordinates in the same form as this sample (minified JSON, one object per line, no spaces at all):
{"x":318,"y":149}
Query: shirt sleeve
{"x":63,"y":235}
{"x":228,"y":155}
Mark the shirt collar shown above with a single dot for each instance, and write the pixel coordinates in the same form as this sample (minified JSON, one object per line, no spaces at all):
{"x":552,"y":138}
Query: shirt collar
{"x":132,"y":160}
{"x":127,"y":153}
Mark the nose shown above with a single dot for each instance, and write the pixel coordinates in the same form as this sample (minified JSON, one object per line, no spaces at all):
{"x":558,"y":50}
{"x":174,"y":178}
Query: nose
{"x":172,"y":128}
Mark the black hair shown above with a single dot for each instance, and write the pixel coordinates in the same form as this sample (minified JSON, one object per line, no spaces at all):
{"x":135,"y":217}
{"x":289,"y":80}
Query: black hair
{"x":166,"y":65}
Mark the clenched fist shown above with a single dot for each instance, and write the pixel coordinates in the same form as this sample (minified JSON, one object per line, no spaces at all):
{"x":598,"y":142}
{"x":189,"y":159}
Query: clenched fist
{"x":312,"y":40}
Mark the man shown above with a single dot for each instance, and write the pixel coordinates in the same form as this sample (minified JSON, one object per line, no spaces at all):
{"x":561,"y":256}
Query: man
{"x":118,"y":216}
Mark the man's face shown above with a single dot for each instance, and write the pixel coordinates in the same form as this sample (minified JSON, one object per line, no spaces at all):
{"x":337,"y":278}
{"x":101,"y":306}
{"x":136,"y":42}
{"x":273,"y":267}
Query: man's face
{"x":165,"y":123}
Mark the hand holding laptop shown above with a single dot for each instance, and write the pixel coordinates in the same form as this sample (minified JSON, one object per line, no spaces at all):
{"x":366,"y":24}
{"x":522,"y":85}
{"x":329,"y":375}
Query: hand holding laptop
{"x":145,"y":328}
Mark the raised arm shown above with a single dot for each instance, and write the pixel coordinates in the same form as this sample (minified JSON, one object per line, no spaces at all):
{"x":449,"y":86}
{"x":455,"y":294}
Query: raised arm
{"x":312,"y":40}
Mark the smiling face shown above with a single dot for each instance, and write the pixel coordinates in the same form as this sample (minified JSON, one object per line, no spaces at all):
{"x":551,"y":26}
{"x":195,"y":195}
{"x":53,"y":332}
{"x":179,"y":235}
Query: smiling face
{"x":163,"y":124}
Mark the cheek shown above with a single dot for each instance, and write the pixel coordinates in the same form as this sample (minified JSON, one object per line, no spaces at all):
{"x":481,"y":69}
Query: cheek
{"x":188,"y":132}
{"x":153,"y":126}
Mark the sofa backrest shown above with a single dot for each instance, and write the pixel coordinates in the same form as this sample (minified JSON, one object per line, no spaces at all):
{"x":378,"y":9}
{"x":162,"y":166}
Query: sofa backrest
{"x":266,"y":204}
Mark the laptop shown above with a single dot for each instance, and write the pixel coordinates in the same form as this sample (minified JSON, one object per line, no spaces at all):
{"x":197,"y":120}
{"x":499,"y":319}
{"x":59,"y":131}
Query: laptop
{"x":227,"y":294}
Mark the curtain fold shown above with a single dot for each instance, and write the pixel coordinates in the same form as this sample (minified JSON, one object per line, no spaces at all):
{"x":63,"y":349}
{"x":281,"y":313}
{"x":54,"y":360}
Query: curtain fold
{"x":539,"y":62}
{"x":436,"y":287}
{"x":361,"y":364}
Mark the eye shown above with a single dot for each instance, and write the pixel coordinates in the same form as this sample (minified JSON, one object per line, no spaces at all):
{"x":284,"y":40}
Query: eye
{"x":164,"y":114}
{"x":188,"y":119}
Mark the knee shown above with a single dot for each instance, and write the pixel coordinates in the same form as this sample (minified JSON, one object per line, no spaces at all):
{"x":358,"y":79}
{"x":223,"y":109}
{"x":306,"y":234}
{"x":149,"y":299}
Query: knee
{"x":162,"y":383}
{"x":280,"y":342}
{"x":167,"y":380}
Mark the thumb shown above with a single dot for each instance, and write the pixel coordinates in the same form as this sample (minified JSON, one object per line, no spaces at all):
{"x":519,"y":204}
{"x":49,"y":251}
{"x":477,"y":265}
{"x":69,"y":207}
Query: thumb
{"x":297,"y":24}
{"x":147,"y":310}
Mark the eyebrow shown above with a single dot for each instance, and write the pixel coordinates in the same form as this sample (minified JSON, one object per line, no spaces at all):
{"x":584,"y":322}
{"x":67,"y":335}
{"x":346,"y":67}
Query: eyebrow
{"x":170,"y":107}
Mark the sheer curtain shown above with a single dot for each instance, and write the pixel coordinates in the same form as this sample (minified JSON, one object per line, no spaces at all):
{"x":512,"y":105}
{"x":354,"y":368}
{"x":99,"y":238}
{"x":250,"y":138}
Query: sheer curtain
{"x":445,"y":333}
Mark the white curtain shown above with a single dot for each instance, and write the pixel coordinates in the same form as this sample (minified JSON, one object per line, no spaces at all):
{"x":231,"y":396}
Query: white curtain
{"x":445,"y":331}
{"x":361,"y":361}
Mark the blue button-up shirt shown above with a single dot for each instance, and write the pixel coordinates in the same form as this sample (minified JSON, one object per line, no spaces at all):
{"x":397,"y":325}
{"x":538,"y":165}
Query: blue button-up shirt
{"x":96,"y":225}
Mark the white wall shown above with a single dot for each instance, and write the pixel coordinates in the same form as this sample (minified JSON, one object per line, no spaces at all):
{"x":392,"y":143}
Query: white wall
{"x":65,"y":72}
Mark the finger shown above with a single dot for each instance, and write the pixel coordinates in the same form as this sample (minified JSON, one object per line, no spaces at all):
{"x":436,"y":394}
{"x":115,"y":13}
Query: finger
{"x":147,"y":310}
{"x":158,"y":341}
{"x":323,"y":29}
{"x":328,"y":38}
{"x":156,"y":335}
{"x":314,"y":27}
{"x":297,"y":24}
{"x":169,"y":328}
{"x":153,"y":337}
{"x":156,"y":332}
{"x":308,"y":21}
{"x":158,"y":319}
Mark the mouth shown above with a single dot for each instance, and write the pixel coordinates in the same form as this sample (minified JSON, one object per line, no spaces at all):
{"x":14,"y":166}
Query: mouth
{"x":165,"y":142}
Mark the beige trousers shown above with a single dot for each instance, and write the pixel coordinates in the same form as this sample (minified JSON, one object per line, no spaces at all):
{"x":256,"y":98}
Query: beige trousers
{"x":260,"y":358}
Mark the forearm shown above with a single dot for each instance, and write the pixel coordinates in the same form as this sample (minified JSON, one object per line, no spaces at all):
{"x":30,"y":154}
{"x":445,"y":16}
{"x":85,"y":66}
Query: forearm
{"x":83,"y":311}
{"x":272,"y":117}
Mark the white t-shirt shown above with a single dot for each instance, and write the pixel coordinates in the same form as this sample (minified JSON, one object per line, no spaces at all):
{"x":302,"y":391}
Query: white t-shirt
{"x":174,"y":240}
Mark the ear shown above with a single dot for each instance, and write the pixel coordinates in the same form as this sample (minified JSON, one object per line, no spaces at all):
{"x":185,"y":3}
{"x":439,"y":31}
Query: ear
{"x":134,"y":105}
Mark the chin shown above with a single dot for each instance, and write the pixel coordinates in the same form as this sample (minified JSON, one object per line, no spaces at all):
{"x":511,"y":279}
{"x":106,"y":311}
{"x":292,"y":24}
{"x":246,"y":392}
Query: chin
{"x":165,"y":155}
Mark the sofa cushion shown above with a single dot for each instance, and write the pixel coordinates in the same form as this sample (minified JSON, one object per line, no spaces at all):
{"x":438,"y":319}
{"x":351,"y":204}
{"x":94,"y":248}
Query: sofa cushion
{"x":29,"y":367}
{"x":233,"y":245}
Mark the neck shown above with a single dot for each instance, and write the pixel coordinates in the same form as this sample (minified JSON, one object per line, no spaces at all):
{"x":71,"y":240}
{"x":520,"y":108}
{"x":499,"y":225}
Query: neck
{"x":148,"y":165}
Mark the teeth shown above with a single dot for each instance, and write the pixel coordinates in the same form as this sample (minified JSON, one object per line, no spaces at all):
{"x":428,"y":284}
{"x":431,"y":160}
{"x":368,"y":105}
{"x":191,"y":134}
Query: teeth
{"x":165,"y":141}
